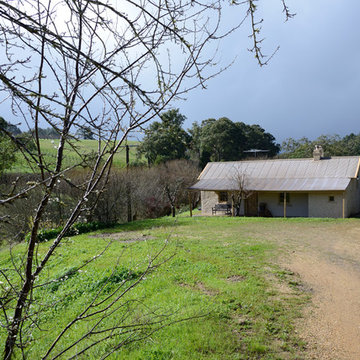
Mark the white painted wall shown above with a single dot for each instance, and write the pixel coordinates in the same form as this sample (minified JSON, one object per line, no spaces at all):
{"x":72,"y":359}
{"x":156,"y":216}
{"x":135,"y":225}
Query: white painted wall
{"x":208,"y":201}
{"x":352,"y":204}
{"x":297,"y":207}
{"x":313,"y":204}
{"x":272,"y":203}
{"x":242,"y":207}
{"x":210,"y":198}
{"x":320,"y":206}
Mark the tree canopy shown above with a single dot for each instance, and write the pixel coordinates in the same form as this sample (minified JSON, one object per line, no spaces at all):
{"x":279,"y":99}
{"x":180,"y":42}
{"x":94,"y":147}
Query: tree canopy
{"x":212,"y":140}
{"x":85,"y":133}
{"x":221,"y":140}
{"x":258,"y":138}
{"x":225,"y":140}
{"x":165,"y":140}
{"x":48,"y":133}
{"x":333,"y":145}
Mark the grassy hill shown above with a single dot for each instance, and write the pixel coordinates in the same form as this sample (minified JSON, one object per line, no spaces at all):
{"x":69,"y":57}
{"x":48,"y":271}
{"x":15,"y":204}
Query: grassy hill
{"x":220,"y":273}
{"x":49,"y":148}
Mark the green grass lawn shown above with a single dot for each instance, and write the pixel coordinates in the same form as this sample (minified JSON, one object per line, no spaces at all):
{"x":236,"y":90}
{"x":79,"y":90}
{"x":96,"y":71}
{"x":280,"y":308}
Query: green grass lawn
{"x":49,"y":148}
{"x":221,"y":276}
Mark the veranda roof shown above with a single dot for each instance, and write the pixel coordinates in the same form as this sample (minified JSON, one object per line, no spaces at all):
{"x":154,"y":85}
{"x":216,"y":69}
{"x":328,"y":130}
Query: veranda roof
{"x":333,"y":174}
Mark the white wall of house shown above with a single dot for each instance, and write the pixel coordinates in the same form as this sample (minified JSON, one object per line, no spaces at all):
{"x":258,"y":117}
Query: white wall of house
{"x":210,"y":198}
{"x":297,"y":206}
{"x":321,"y":206}
{"x":352,"y":198}
{"x":208,"y":201}
{"x":313,"y":204}
{"x":272,"y":203}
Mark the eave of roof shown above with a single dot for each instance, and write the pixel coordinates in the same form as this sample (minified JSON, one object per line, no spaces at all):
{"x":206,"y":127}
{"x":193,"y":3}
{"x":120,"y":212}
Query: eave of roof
{"x":300,"y":184}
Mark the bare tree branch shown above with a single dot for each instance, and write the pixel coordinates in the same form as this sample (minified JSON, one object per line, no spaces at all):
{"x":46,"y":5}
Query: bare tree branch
{"x":88,"y":63}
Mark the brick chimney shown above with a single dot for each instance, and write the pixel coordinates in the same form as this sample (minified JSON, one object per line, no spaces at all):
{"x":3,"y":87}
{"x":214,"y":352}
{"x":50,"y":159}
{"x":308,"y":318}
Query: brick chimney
{"x":318,"y":153}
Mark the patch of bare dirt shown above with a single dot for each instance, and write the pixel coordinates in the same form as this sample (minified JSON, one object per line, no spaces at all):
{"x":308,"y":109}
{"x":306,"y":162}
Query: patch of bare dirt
{"x":205,"y":290}
{"x":283,"y":289}
{"x":125,"y":236}
{"x":236,"y":278}
{"x":201,"y":287}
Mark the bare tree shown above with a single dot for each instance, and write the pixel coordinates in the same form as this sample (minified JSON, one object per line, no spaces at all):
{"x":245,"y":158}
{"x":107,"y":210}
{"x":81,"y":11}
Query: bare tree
{"x":175,"y":177}
{"x":110,"y":66}
{"x":240,"y":190}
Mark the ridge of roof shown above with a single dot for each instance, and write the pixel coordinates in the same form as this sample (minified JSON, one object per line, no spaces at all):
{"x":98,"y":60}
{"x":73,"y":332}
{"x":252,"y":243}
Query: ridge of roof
{"x":287,"y":159}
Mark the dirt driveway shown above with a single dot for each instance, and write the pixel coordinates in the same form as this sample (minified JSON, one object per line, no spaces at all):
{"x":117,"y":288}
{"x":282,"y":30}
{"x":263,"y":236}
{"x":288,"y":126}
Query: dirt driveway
{"x":326,"y":255}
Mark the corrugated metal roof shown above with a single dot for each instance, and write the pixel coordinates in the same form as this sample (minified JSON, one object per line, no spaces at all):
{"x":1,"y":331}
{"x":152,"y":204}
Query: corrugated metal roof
{"x":314,"y":184}
{"x":280,"y":175}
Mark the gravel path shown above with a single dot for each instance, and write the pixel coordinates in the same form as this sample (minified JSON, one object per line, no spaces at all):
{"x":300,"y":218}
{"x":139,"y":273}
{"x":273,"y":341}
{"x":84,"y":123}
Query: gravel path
{"x":331,"y":325}
{"x":326,"y":256}
{"x":327,"y":259}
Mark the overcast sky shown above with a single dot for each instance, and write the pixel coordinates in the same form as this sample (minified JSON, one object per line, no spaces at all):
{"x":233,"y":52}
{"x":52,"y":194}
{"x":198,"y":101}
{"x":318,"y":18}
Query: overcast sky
{"x":311,"y":86}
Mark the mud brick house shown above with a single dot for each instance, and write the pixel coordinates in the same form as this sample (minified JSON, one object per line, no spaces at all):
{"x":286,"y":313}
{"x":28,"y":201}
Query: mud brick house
{"x":312,"y":187}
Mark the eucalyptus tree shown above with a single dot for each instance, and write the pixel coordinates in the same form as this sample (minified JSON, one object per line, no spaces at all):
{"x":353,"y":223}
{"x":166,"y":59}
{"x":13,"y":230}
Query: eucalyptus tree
{"x":221,"y":140}
{"x":165,"y":140}
{"x":225,"y":140}
{"x":110,"y":66}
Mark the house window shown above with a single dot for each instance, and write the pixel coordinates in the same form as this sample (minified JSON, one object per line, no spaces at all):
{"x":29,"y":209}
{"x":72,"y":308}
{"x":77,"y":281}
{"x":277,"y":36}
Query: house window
{"x":281,"y":198}
{"x":223,"y":196}
{"x":331,"y":198}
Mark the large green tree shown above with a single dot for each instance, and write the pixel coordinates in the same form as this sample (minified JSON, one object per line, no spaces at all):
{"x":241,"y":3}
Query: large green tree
{"x":221,"y":140}
{"x":225,"y":140}
{"x":258,"y":138}
{"x":292,"y":148}
{"x":165,"y":140}
{"x":85,"y":133}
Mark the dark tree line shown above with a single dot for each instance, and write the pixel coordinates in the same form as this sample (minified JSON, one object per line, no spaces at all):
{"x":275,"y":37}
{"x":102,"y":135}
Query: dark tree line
{"x":43,"y":133}
{"x":333,"y":145}
{"x":225,"y":140}
{"x":212,"y":140}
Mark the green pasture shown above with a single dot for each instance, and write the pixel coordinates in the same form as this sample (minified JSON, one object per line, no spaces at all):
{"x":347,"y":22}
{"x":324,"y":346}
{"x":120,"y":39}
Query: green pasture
{"x":71,"y":157}
{"x":217,"y":273}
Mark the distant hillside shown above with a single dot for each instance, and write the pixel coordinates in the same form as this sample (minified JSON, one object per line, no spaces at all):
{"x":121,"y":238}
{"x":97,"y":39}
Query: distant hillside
{"x":49,"y":148}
